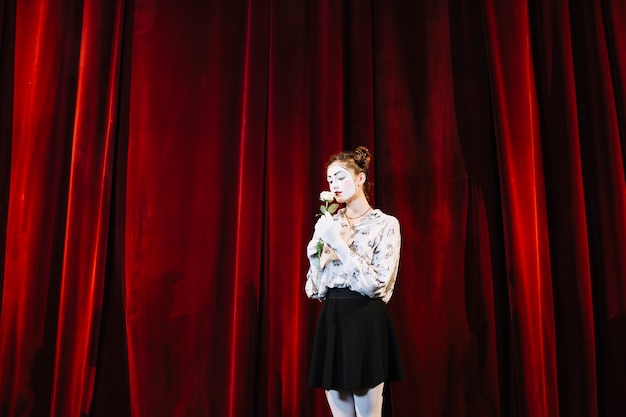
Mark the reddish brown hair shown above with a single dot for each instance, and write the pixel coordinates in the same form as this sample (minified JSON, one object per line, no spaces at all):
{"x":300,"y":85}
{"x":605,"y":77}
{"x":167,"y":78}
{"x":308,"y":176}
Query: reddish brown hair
{"x":357,"y":161}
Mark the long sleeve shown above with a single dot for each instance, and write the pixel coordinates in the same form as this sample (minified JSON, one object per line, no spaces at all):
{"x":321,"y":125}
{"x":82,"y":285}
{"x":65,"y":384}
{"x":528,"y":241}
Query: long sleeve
{"x":375,"y":277}
{"x":313,"y":274}
{"x":311,"y":286}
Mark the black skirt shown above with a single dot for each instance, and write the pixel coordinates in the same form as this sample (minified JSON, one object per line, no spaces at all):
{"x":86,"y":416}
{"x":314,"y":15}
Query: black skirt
{"x":355,"y":345}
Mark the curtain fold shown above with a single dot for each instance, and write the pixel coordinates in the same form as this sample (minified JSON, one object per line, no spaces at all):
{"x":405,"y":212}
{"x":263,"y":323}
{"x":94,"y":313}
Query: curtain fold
{"x":7,"y":51}
{"x":597,"y":84}
{"x":518,"y":139}
{"x":566,"y":210}
{"x":89,"y":202}
{"x":160,"y":166}
{"x":43,"y":100}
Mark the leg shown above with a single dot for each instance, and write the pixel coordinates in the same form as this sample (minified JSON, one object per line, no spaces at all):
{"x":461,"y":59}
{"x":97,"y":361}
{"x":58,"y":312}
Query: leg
{"x":369,"y":402}
{"x":341,"y":403}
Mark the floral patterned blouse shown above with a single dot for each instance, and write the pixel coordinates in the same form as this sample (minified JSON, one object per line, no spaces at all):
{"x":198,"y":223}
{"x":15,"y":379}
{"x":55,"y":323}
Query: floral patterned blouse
{"x":374,"y":246}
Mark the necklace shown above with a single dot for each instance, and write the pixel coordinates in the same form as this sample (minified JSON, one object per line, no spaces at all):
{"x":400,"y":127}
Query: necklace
{"x":358,"y":217}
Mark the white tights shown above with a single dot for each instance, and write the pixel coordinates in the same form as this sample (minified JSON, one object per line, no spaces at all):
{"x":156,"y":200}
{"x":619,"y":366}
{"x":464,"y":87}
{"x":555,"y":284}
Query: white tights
{"x":367,"y":402}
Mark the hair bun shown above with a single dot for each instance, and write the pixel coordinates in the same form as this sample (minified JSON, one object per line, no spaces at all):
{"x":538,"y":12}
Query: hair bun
{"x":362,"y":157}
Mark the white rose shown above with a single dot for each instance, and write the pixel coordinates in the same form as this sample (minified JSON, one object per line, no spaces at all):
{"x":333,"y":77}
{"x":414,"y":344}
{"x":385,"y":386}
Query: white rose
{"x":327,"y":196}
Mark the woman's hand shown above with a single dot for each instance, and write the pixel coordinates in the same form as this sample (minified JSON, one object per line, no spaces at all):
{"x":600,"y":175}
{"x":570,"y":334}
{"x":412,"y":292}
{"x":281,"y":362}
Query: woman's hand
{"x":329,"y":231}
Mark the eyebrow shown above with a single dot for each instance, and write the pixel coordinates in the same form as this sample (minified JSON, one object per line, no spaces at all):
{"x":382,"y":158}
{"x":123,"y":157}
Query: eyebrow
{"x":334,"y":175}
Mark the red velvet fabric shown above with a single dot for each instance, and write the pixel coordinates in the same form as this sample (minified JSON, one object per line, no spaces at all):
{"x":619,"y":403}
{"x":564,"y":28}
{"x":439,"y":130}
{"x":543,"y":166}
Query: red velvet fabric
{"x":160,"y":163}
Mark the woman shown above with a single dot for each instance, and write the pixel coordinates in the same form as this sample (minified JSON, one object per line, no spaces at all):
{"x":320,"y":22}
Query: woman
{"x":355,"y":350}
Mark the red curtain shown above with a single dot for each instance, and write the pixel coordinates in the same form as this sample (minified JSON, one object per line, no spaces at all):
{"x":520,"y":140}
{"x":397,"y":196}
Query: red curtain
{"x":160,"y":163}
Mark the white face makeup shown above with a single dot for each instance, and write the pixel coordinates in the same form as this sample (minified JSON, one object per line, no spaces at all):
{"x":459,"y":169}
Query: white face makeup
{"x":341,"y":183}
